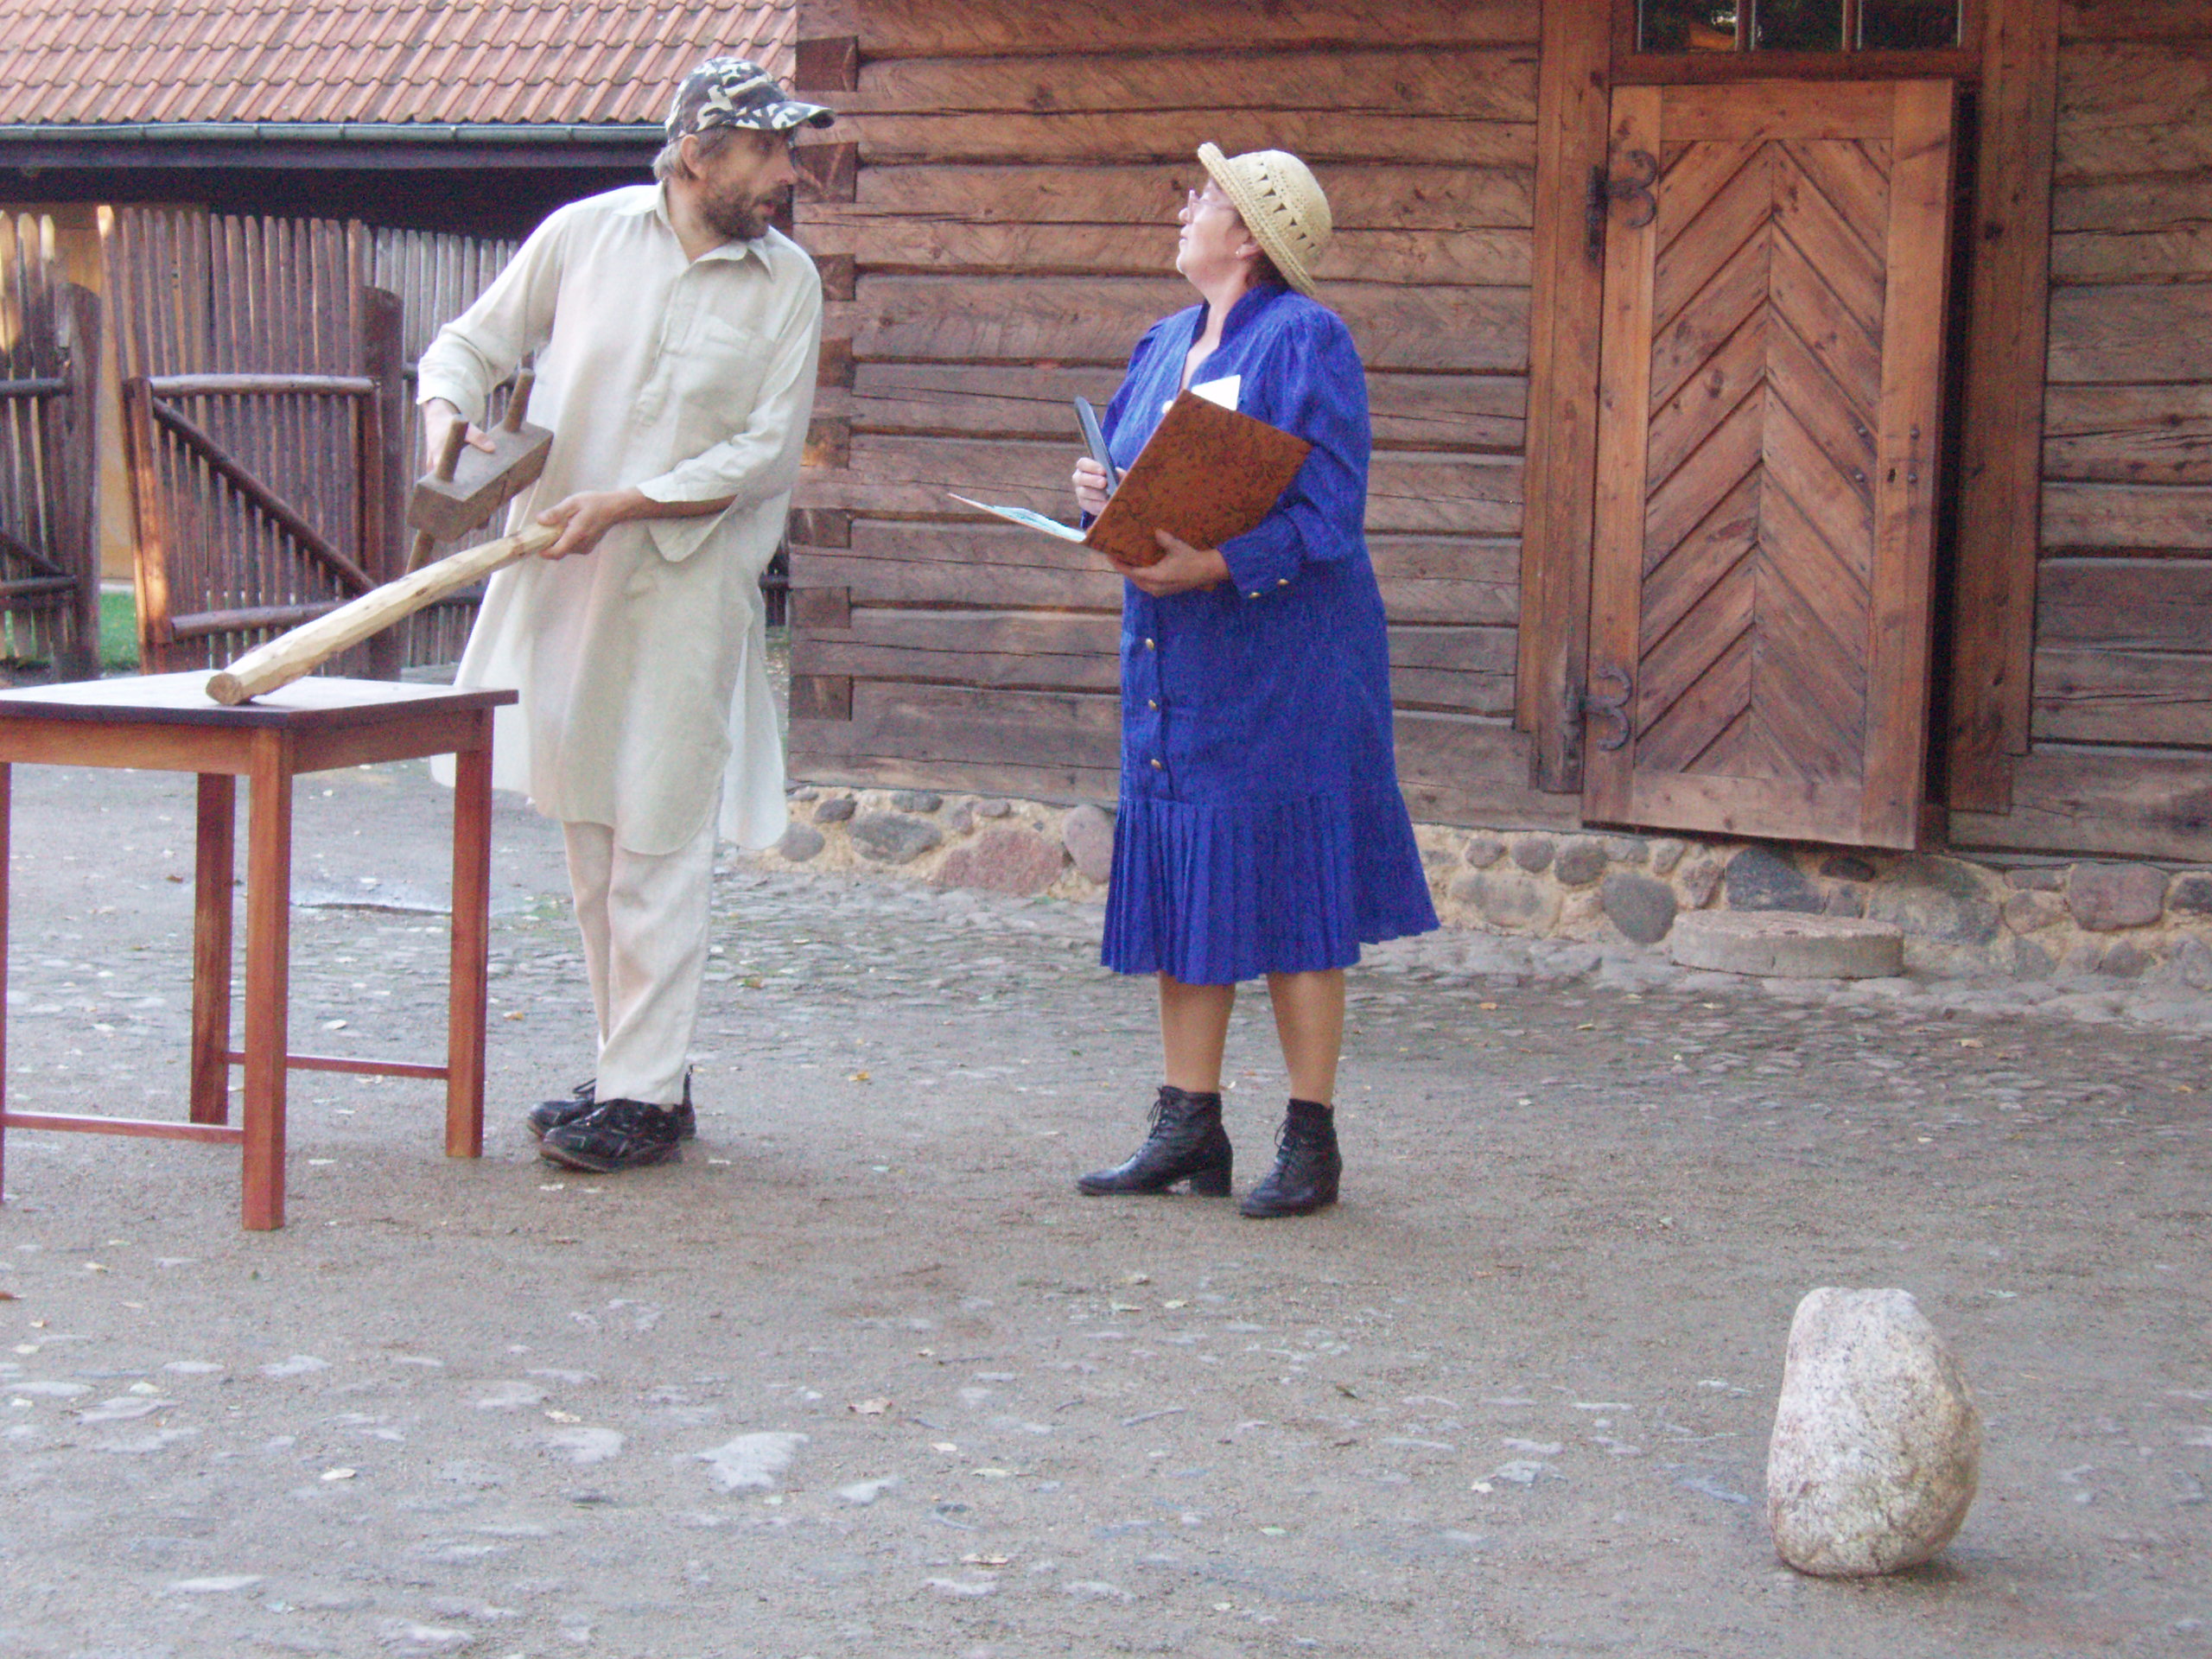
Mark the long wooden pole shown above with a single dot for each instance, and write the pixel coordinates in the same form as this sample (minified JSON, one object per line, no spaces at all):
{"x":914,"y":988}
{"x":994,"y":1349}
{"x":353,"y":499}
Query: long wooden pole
{"x":289,"y":656}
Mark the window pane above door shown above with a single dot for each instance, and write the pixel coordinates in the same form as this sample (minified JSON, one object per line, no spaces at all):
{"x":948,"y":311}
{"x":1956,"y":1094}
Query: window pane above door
{"x":1754,"y":26}
{"x":1689,"y":25}
{"x":1908,"y":25}
{"x":1798,"y":26}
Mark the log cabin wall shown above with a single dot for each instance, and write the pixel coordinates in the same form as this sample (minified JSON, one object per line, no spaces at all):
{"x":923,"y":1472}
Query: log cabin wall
{"x":2119,"y":757}
{"x":996,"y":229}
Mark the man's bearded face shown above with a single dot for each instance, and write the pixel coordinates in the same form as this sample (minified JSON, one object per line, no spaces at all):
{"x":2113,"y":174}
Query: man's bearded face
{"x":740,"y":187}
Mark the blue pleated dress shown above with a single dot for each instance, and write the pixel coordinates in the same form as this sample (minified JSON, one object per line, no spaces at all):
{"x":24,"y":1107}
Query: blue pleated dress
{"x":1261,"y":828}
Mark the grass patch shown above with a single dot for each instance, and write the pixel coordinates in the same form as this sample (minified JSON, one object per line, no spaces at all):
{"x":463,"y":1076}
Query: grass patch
{"x":119,"y":631}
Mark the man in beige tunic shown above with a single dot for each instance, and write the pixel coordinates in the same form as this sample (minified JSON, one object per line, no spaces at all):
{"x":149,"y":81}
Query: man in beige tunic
{"x":676,"y":334}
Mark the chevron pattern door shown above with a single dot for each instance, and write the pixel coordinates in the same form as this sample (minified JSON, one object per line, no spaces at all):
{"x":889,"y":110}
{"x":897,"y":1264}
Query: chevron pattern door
{"x":1775,"y":264}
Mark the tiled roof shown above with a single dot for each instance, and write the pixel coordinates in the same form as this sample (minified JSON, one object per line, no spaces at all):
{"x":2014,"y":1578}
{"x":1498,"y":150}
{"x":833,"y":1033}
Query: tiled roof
{"x":532,"y":62}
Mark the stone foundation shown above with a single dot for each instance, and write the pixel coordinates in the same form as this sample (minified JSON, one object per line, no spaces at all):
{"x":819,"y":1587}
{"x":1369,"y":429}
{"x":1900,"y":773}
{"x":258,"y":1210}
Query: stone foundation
{"x":2029,"y":919}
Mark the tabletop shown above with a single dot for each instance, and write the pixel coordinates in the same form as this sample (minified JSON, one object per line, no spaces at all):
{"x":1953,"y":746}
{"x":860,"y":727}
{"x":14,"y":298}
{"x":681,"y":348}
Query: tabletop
{"x":316,"y":703}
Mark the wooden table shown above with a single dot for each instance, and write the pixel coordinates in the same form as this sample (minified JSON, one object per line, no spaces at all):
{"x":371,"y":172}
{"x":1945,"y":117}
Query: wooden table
{"x":167,"y":723}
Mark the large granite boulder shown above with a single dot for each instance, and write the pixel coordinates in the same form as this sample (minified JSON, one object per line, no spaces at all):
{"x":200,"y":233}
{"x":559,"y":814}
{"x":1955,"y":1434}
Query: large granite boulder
{"x":1876,"y":1447}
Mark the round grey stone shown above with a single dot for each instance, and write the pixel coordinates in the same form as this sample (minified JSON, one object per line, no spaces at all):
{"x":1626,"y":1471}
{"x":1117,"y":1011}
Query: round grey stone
{"x":1534,"y":853}
{"x":1642,"y":908}
{"x":889,"y":838}
{"x":2191,"y":892}
{"x":1578,"y":863}
{"x":1088,"y":834}
{"x":1842,"y":867}
{"x":1760,"y":879}
{"x":922,"y":801}
{"x":1483,"y":851}
{"x":1017,"y":862}
{"x":1511,"y":902}
{"x":1941,"y":899}
{"x":2106,"y":898}
{"x":1665,"y":855}
{"x":1788,"y":945}
{"x":993,"y":808}
{"x":800,"y":842}
{"x":838,"y":808}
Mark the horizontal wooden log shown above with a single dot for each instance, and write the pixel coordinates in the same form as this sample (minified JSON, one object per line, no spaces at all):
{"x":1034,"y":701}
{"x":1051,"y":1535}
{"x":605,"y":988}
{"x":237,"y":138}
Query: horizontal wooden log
{"x":1074,"y":320}
{"x":963,"y":724}
{"x":2124,"y":605}
{"x":2116,"y":801}
{"x":1455,"y":768}
{"x":1321,"y":138}
{"x":1427,"y":411}
{"x":2122,"y":518}
{"x":2128,"y":434}
{"x":2167,"y":200}
{"x":1367,"y":197}
{"x":2117,"y":99}
{"x":1060,"y":786}
{"x":923,"y":581}
{"x":899,"y":29}
{"x":1472,"y":770}
{"x":1469,"y":495}
{"x":1396,"y":558}
{"x":2131,"y":333}
{"x":2182,"y":254}
{"x":998,"y":671}
{"x":1477,"y":82}
{"x":898,"y":245}
{"x":2177,"y":22}
{"x":2114,"y":697}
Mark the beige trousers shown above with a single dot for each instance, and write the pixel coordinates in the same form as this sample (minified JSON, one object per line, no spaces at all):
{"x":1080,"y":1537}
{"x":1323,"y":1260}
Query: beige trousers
{"x":644,"y":918}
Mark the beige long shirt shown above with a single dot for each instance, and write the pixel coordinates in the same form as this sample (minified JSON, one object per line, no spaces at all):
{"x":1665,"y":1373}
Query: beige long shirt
{"x":642,"y":664}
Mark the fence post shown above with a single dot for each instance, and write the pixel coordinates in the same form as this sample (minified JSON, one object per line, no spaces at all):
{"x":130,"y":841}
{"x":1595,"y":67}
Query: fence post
{"x":150,"y":555}
{"x":380,"y":469}
{"x":76,"y":317}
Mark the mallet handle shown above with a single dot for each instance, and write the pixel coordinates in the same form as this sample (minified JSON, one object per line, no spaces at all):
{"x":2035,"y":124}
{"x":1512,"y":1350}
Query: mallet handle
{"x":289,"y":656}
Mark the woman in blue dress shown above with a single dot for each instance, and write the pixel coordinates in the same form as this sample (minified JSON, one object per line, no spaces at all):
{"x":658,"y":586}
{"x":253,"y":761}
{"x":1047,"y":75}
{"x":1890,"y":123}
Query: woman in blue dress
{"x":1261,"y":830}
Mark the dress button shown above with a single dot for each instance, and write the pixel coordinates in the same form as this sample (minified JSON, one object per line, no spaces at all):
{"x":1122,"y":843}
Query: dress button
{"x":1152,"y":703}
{"x":1147,"y":644}
{"x":1158,"y":766}
{"x":1283,"y":582}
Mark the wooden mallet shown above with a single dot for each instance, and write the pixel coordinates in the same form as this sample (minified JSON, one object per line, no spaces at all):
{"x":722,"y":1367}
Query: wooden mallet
{"x":469,"y":484}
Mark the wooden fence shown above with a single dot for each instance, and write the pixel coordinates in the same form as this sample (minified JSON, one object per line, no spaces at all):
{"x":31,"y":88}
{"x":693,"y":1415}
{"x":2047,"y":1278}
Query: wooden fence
{"x":270,"y":412}
{"x":49,"y":368}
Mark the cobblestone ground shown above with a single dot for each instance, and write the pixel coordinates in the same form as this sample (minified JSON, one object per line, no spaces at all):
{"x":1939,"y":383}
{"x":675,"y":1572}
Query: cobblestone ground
{"x":862,"y":1373}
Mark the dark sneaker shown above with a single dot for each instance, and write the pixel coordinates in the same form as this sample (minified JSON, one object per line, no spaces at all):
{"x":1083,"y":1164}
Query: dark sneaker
{"x":549,"y":1114}
{"x":615,"y":1135}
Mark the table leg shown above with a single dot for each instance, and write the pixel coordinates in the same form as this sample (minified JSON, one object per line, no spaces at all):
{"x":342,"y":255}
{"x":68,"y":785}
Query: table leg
{"x":7,"y":792}
{"x":471,"y":929}
{"x":213,"y":912}
{"x":267,"y":977}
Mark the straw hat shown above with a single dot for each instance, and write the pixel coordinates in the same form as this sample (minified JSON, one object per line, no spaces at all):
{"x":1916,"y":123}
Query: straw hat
{"x":1281,"y":204}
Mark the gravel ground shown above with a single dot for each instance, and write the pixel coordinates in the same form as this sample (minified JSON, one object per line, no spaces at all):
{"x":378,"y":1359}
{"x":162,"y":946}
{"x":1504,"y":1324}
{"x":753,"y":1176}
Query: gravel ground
{"x":863,"y":1374}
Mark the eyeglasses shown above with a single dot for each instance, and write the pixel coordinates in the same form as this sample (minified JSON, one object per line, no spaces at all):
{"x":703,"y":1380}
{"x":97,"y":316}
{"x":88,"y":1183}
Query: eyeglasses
{"x":1205,"y":195}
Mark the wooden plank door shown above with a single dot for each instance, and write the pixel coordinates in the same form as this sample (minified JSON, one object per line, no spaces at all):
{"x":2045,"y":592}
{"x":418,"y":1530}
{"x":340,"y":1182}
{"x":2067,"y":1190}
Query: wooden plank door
{"x":1776,"y":266}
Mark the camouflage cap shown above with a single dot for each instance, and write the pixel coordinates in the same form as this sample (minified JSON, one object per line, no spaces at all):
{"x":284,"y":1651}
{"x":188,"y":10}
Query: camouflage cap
{"x":735,"y":92}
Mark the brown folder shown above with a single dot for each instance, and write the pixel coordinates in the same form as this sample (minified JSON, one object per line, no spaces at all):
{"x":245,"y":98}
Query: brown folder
{"x":1206,"y":475}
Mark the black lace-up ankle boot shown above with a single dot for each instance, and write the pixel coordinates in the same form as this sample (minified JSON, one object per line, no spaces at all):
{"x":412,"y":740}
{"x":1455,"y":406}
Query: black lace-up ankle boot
{"x":1187,"y":1143}
{"x":1308,"y":1165}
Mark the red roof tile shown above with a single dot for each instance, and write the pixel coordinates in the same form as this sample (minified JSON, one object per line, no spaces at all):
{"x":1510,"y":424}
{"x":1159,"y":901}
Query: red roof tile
{"x":540,"y":62}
